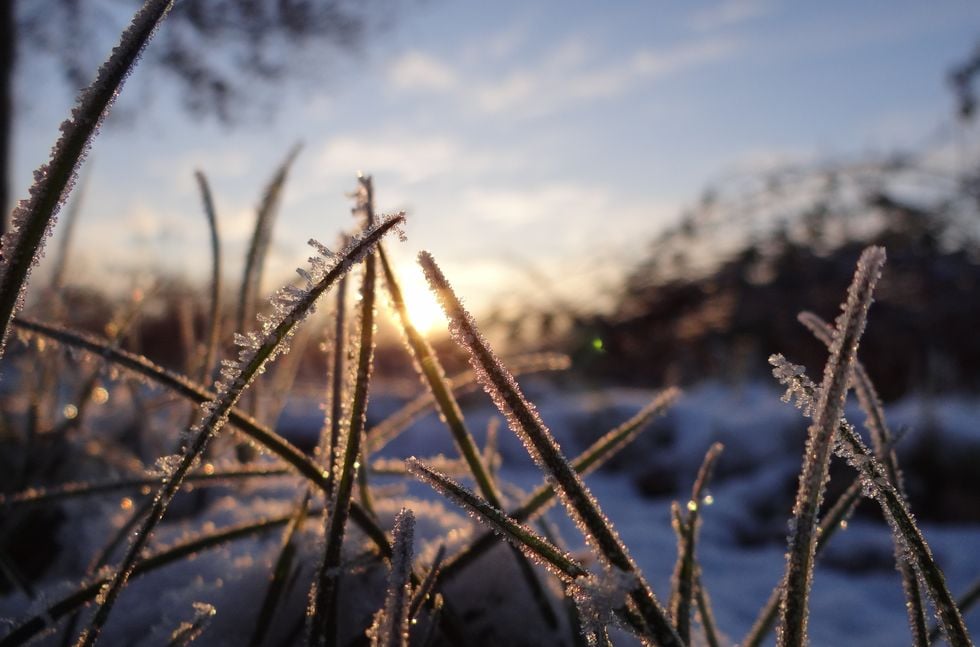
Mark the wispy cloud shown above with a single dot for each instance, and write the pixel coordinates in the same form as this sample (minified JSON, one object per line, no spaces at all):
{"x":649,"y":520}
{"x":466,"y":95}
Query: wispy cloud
{"x":729,"y":13}
{"x":567,"y":74}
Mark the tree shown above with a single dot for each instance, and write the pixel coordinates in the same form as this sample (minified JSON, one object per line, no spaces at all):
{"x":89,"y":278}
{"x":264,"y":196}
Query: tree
{"x":259,"y":40}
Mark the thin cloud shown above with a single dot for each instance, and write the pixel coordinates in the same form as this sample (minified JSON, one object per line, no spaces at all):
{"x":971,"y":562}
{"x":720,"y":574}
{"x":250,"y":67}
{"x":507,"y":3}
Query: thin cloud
{"x":417,"y":70}
{"x":730,"y":13}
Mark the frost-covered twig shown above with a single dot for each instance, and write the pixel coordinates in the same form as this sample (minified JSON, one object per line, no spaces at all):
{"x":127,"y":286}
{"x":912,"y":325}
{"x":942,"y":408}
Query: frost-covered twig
{"x":820,"y":441}
{"x":880,"y":439}
{"x":32,"y":220}
{"x":292,"y":307}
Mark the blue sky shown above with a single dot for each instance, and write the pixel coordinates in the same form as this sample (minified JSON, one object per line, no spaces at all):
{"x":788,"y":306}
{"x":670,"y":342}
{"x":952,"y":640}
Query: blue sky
{"x":561,"y":136}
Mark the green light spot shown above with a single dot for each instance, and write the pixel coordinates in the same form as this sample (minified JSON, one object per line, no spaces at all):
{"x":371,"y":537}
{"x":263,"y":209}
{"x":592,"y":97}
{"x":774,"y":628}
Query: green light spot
{"x":597,"y":343}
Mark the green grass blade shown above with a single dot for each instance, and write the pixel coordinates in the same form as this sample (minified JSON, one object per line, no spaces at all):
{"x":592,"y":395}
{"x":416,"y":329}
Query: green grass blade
{"x":214,"y":312}
{"x":323,"y":624}
{"x":258,"y":433}
{"x":256,"y":352}
{"x":280,"y":572}
{"x":86,"y":593}
{"x":828,"y":409}
{"x":877,"y":425}
{"x":33,"y":219}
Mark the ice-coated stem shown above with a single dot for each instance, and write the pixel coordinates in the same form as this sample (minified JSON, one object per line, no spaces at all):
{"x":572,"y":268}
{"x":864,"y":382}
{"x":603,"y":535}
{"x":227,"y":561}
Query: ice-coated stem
{"x":820,"y":442}
{"x":525,"y":422}
{"x":33,"y":219}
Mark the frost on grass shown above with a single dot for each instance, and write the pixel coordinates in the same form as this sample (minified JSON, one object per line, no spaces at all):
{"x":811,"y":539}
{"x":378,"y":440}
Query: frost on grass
{"x":191,"y":630}
{"x":598,"y":596}
{"x":289,"y":309}
{"x":815,"y":472}
{"x":391,"y":625}
{"x":33,"y":219}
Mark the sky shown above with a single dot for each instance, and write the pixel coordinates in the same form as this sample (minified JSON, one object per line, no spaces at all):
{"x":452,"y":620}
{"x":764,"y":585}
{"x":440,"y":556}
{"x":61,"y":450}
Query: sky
{"x":531,"y":144}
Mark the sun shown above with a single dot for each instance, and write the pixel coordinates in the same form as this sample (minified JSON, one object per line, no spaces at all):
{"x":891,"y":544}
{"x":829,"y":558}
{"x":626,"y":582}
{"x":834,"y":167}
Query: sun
{"x":423,"y":307}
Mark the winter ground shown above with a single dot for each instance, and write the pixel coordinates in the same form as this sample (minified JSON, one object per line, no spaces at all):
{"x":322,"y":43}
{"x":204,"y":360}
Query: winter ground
{"x":857,"y":596}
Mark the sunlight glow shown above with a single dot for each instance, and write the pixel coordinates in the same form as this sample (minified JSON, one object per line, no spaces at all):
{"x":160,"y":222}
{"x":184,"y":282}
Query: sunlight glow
{"x":423,"y":307}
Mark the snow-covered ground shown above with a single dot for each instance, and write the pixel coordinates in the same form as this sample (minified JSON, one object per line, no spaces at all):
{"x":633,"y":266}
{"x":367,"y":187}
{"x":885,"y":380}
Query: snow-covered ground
{"x":857,"y":596}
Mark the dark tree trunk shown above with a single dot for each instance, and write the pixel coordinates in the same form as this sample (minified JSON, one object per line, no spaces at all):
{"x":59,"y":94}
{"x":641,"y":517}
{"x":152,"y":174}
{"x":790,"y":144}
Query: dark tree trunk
{"x":7,"y":55}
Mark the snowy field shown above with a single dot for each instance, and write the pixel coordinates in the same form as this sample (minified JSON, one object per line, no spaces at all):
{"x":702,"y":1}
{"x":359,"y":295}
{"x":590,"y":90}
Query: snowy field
{"x":857,"y":596}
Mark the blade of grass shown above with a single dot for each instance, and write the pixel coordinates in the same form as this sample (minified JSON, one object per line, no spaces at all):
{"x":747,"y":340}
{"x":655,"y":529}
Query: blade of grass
{"x":214,"y":312}
{"x":880,"y":439}
{"x":87,"y":592}
{"x":687,"y":530}
{"x":188,"y":632}
{"x":430,"y":369}
{"x":282,"y":569}
{"x":423,"y":591}
{"x":813,"y":476}
{"x":526,"y":423}
{"x":965,"y":602}
{"x":265,"y":215}
{"x":392,"y":631}
{"x":591,"y":459}
{"x":33,"y":219}
{"x":705,"y":614}
{"x":260,"y":434}
{"x":256,"y":352}
{"x":875,"y":483}
{"x":323,"y":623}
{"x":330,"y":438}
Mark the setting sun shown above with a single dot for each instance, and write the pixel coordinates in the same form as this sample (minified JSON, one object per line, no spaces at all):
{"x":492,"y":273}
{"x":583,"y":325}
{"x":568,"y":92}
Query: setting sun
{"x":423,"y":307}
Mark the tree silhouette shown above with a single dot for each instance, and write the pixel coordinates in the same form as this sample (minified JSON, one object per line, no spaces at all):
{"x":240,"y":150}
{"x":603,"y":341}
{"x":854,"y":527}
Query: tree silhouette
{"x":216,"y":49}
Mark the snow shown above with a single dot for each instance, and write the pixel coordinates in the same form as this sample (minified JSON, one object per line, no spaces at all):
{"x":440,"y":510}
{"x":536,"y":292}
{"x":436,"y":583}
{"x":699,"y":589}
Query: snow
{"x":857,"y":594}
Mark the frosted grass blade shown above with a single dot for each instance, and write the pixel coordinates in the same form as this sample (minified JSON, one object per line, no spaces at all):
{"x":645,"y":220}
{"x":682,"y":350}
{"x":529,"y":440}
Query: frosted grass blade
{"x":424,"y":590}
{"x":188,"y":632}
{"x":330,"y":436}
{"x":87,"y":592}
{"x":535,"y":547}
{"x":254,"y":355}
{"x":833,"y":519}
{"x":260,"y":434}
{"x":591,"y":459}
{"x":392,"y":631}
{"x":687,"y":529}
{"x":876,"y":423}
{"x":430,"y":369}
{"x":323,"y":623}
{"x":32,"y":220}
{"x":47,"y":495}
{"x":828,"y":409}
{"x":875,"y":483}
{"x":705,"y":614}
{"x":525,"y":422}
{"x":965,"y":602}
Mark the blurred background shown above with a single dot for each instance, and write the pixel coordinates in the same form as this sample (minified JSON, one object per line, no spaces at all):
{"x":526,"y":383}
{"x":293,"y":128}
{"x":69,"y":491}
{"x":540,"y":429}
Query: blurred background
{"x":658,"y":189}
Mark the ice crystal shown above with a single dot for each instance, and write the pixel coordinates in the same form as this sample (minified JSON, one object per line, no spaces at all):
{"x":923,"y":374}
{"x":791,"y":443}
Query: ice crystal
{"x":598,"y":596}
{"x":392,"y":630}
